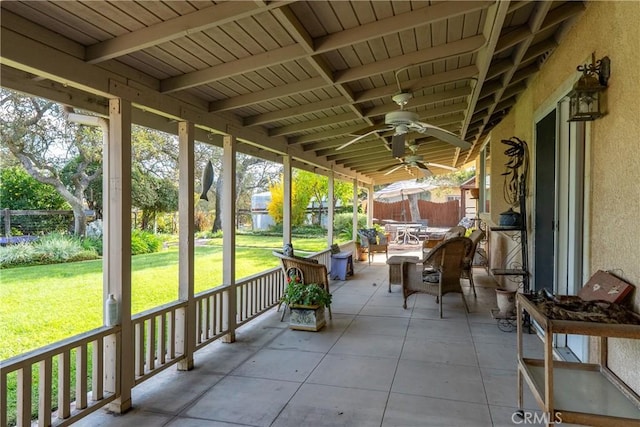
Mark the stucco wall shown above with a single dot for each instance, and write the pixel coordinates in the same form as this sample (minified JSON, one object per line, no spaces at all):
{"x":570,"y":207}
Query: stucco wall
{"x":606,"y":28}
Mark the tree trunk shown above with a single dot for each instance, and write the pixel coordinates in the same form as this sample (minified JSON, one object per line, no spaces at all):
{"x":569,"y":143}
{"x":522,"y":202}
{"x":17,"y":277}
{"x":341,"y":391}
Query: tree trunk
{"x":413,"y":207}
{"x":79,"y":220}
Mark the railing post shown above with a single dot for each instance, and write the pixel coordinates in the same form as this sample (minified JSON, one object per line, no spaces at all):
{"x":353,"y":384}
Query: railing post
{"x":186,"y":318}
{"x":354,"y":232}
{"x":286,"y":199}
{"x":330,"y":207}
{"x":119,"y":374}
{"x":229,"y":235}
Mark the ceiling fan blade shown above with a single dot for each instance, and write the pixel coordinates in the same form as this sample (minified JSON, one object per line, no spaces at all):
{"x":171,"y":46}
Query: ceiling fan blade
{"x":443,"y":135}
{"x":394,"y":169}
{"x":379,"y":126}
{"x":356,"y":139}
{"x":426,"y":172}
{"x":438,"y":165}
{"x":397,"y":145}
{"x":390,"y":166}
{"x":421,"y":165}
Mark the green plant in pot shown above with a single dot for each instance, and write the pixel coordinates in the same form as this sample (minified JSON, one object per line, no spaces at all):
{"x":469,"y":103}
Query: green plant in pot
{"x":307,"y":303}
{"x":298,"y":293}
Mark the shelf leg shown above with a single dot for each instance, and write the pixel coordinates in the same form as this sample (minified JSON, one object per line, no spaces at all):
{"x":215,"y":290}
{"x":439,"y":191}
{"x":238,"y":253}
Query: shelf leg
{"x":548,"y":372}
{"x":519,"y":350}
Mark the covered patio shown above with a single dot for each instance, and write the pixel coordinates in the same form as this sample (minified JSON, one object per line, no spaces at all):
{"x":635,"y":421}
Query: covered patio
{"x":374,"y":364}
{"x":297,"y":83}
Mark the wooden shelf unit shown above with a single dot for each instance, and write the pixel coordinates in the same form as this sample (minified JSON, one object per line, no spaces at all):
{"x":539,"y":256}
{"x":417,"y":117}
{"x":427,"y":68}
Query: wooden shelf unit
{"x":580,"y":393}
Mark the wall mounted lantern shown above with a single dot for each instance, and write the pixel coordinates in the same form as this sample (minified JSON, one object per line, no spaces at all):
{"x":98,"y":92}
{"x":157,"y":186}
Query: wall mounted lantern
{"x":586,"y":98}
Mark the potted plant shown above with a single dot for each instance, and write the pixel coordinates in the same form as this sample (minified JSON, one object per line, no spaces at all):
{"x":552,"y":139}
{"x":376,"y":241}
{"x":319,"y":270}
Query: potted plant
{"x":307,"y":303}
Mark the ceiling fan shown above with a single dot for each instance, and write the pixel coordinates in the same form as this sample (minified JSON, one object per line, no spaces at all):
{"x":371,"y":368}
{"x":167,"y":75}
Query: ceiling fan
{"x":403,"y":122}
{"x":416,"y":161}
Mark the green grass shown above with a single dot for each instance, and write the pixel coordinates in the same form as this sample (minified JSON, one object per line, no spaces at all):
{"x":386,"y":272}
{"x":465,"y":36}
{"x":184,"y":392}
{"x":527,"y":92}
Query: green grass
{"x":46,"y":303}
{"x":42,"y":304}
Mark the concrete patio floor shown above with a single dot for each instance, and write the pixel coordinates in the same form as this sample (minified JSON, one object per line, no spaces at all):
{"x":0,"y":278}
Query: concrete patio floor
{"x":374,"y":364}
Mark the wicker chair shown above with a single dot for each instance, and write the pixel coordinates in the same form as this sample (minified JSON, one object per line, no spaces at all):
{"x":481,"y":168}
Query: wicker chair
{"x":432,"y":242}
{"x":312,"y":271}
{"x":467,"y":269}
{"x":372,"y":242}
{"x":447,"y":260}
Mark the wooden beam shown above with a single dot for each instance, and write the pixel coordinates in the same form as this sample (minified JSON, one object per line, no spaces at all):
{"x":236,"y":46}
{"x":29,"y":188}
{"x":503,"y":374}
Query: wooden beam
{"x":298,"y":110}
{"x":172,"y":29}
{"x":512,"y":38}
{"x":233,"y":68}
{"x":268,"y":94}
{"x":444,"y":51}
{"x":391,"y":25}
{"x":313,"y":124}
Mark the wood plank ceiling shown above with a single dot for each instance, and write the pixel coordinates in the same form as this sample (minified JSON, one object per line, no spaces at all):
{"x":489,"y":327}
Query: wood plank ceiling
{"x":315,"y":73}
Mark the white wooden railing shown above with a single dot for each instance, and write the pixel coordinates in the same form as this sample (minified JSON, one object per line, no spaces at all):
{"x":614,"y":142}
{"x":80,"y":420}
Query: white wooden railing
{"x":156,"y":339}
{"x":158,"y":344}
{"x":90,"y":354}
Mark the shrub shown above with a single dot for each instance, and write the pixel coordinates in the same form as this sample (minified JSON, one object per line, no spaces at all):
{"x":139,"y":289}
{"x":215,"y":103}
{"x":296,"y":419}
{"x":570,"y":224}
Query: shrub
{"x":15,"y":255}
{"x":92,"y":243}
{"x":343,"y":224}
{"x":143,"y":242}
{"x":209,"y":234}
{"x":50,"y":249}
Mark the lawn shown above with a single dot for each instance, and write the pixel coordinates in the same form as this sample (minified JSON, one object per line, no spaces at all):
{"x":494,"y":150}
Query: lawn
{"x":40,"y":305}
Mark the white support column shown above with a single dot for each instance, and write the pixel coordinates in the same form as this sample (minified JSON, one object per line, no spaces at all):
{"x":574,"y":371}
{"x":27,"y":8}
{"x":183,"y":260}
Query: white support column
{"x":330,"y":210}
{"x":229,"y":234}
{"x":370,"y":205}
{"x":286,"y":199}
{"x":117,"y":251}
{"x":355,"y":211}
{"x":186,"y":320}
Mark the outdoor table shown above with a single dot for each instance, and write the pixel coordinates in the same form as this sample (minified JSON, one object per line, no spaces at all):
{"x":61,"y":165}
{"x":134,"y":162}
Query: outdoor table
{"x":407,"y":232}
{"x":395,"y":268}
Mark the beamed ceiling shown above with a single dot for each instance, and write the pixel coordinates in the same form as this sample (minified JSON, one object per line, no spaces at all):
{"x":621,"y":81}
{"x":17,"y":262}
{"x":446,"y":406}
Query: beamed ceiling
{"x":301,"y":77}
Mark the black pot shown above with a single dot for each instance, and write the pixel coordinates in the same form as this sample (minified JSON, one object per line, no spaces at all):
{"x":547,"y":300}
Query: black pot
{"x":510,"y":218}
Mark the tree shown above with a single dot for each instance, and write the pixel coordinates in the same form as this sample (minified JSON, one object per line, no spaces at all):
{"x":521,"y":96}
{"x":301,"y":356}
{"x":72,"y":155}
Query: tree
{"x":305,"y":187}
{"x":316,"y":187}
{"x":154,"y":173}
{"x":152,"y":195}
{"x":20,"y":191}
{"x":299,"y":202}
{"x":36,"y":134}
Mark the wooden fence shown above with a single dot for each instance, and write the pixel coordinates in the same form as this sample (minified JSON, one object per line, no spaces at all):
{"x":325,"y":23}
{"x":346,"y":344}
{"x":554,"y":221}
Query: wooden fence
{"x":33,"y":222}
{"x":438,"y":214}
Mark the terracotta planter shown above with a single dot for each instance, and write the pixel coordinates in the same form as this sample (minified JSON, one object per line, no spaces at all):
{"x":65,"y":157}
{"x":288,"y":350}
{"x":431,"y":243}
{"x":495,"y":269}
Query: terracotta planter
{"x":360,"y":254}
{"x":307,"y":317}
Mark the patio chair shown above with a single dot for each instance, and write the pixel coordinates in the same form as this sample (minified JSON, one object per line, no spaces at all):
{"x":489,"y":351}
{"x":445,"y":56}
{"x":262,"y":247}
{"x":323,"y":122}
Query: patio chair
{"x":312,"y":271}
{"x":467,"y":269}
{"x":373,"y":241}
{"x":445,"y":275}
{"x":433,"y":240}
